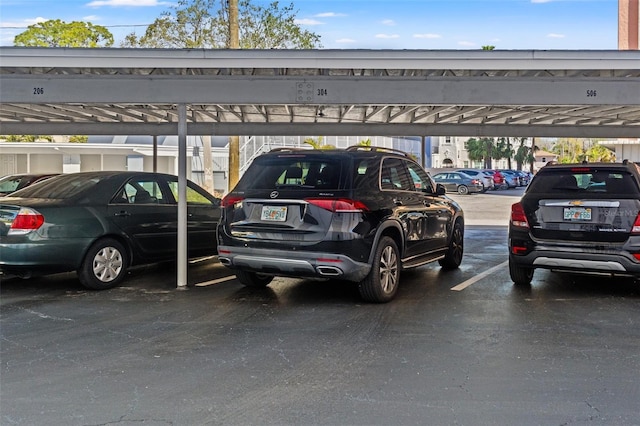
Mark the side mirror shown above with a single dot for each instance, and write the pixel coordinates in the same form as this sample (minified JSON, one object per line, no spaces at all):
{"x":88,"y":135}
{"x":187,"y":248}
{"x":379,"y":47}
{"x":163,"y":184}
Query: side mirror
{"x":440,"y":189}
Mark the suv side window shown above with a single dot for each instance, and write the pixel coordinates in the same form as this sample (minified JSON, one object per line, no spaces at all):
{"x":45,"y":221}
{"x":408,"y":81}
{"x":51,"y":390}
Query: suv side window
{"x":421,"y":181}
{"x":394,"y":176}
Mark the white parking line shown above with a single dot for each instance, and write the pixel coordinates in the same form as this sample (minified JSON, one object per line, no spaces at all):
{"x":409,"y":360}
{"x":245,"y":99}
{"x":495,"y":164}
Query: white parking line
{"x":214,"y":282}
{"x":478,"y":277}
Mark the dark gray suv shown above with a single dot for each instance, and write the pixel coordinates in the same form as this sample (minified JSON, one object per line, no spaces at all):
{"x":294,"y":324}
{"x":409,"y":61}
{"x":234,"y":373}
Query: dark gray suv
{"x":361,"y":214}
{"x":580,"y":218}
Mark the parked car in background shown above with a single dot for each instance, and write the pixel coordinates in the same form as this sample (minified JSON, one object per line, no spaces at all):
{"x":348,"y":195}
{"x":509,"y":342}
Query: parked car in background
{"x":101,"y":223}
{"x":579,"y":218}
{"x":498,"y":178}
{"x":361,"y":214}
{"x":487,"y":180}
{"x":525,"y":177}
{"x":13,"y":183}
{"x":511,"y":178}
{"x":459,"y":182}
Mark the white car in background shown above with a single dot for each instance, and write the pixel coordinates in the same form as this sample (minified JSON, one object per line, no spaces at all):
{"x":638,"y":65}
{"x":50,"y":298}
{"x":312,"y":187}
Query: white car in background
{"x":487,"y":181}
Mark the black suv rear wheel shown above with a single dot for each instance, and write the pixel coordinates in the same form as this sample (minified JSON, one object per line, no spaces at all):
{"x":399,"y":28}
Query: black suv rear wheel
{"x":253,"y":279}
{"x":520,"y":275}
{"x":381,"y":284}
{"x":453,"y":258}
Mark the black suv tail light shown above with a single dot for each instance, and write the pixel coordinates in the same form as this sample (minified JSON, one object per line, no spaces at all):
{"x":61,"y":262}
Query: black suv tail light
{"x":518,"y":217}
{"x":230,"y":201}
{"x":338,"y":205}
{"x":635,"y":229}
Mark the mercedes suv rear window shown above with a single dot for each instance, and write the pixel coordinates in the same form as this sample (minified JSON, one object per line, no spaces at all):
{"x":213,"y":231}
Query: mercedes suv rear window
{"x":293,"y":171}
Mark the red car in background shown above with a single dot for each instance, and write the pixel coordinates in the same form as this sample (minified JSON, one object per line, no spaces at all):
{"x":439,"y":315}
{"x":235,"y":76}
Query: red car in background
{"x":498,"y":178}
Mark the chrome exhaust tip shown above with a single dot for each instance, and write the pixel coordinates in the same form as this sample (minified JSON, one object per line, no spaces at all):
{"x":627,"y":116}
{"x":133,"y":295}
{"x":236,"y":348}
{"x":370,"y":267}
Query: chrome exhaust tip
{"x":329,"y":271}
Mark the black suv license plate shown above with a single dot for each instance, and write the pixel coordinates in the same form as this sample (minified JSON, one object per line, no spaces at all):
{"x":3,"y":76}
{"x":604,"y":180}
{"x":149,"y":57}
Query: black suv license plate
{"x":577,"y":213}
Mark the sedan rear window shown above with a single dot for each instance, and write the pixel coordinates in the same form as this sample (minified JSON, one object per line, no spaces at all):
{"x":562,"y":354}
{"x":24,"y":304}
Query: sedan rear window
{"x":60,"y":187}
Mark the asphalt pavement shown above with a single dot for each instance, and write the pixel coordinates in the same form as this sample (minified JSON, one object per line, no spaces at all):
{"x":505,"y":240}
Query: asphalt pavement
{"x":464,"y":347}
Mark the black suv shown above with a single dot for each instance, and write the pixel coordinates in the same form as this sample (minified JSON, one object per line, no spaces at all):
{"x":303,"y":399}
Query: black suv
{"x":359,"y":214}
{"x":580,"y":218}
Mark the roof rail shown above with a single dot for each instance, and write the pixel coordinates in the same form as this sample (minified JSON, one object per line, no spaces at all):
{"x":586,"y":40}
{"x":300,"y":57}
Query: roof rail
{"x":376,"y":149}
{"x":289,"y":148}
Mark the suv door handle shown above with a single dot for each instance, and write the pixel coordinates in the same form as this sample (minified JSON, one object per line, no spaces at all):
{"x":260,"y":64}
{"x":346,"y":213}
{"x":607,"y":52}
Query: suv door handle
{"x":122,"y":213}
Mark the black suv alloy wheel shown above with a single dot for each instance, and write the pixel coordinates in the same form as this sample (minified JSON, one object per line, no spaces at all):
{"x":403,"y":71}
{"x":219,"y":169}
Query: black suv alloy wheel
{"x":360,"y":214}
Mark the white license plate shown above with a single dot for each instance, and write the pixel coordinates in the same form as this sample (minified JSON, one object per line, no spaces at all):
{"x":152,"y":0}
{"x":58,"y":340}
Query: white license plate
{"x":274,"y":213}
{"x":577,"y":213}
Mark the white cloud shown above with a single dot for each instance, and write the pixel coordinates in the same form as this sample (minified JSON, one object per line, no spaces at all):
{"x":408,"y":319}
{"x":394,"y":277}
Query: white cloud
{"x":553,"y":35}
{"x":22,"y":24}
{"x":329,"y":15}
{"x":389,"y":22}
{"x":308,"y":21}
{"x":91,"y":18}
{"x":120,"y":3}
{"x":431,"y":36}
{"x":541,"y":1}
{"x":345,"y":40}
{"x":387,"y":36}
{"x":466,"y":43}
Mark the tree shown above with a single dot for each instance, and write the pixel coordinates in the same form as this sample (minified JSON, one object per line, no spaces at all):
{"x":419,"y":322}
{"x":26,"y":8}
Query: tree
{"x":205,"y":24}
{"x":26,"y":138}
{"x":525,"y":154}
{"x":503,"y":150}
{"x":78,"y":139}
{"x":57,"y":33}
{"x":481,"y":150}
{"x":600,"y":153}
{"x":569,"y":150}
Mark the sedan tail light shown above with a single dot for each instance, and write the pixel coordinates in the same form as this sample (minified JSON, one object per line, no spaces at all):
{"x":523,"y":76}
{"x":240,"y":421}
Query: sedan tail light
{"x":27,"y":220}
{"x":518,"y":217}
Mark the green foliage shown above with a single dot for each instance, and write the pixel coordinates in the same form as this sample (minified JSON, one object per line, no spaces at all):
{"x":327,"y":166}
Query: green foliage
{"x":78,"y":139}
{"x":26,"y":138}
{"x":205,"y":24}
{"x":525,"y":154}
{"x":600,"y":153}
{"x":570,"y":150}
{"x":488,"y":47}
{"x":481,"y":150}
{"x":317,"y":144}
{"x":365,"y":142}
{"x":57,"y":33}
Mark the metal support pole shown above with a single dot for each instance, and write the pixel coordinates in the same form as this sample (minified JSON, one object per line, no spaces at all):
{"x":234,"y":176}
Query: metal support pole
{"x":182,"y":196}
{"x":155,"y":153}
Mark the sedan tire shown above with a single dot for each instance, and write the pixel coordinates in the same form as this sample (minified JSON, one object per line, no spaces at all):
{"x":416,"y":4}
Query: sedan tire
{"x":463,"y":190}
{"x":381,"y":284}
{"x":104,"y":265}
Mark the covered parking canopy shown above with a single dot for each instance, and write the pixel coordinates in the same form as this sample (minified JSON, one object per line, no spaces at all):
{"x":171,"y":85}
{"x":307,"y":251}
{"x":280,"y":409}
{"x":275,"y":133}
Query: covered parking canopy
{"x":317,"y":92}
{"x":321,"y":92}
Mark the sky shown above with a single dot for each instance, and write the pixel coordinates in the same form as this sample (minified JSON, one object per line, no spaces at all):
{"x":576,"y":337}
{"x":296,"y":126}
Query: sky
{"x":372,"y":24}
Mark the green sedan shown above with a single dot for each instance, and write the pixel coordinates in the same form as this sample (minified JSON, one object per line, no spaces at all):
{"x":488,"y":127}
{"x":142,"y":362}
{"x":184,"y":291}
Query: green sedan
{"x":101,"y":223}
